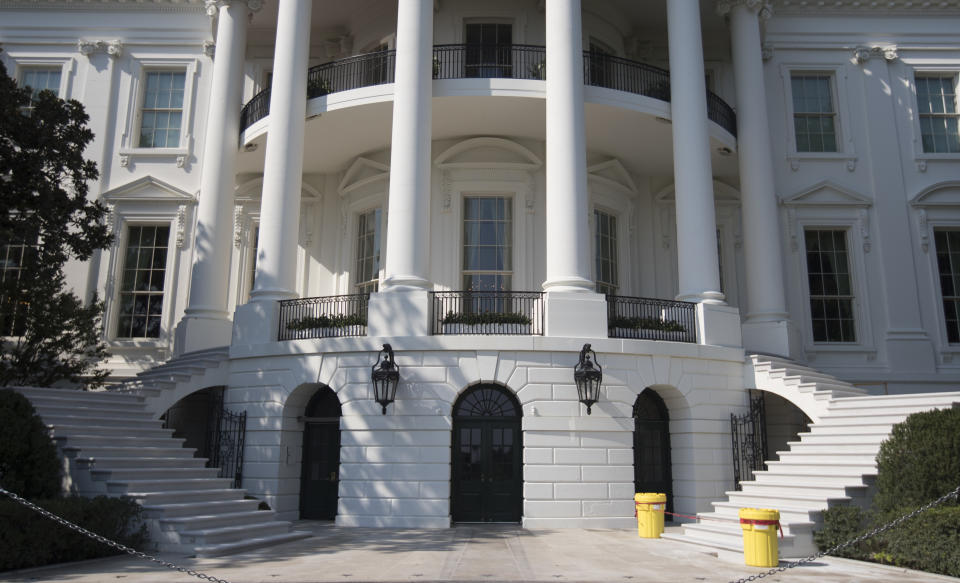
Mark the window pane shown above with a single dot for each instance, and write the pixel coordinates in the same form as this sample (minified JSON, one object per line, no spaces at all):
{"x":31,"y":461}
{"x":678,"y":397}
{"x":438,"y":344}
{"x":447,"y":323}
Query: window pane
{"x":367,"y":270}
{"x":937,"y":110}
{"x":487,"y":242}
{"x":141,"y":288}
{"x":161,"y":116}
{"x":605,"y":249}
{"x":830,"y":287}
{"x":814,"y":113}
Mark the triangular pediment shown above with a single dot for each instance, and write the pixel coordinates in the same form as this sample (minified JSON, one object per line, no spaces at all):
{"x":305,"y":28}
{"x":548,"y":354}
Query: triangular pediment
{"x":488,"y":153}
{"x":940,"y":194}
{"x":361,"y":173}
{"x":612,"y":173}
{"x":826,"y":193}
{"x":148,"y":189}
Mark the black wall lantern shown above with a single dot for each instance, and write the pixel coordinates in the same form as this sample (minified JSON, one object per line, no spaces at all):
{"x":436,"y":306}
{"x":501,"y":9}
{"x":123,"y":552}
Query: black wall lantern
{"x":588,"y":374}
{"x":385,"y":377}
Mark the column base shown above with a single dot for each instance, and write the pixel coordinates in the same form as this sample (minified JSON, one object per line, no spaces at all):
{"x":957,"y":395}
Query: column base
{"x":399,"y":312}
{"x":256,"y":323}
{"x":718,"y":325}
{"x":777,"y":337}
{"x":575,"y":314}
{"x":200,"y":331}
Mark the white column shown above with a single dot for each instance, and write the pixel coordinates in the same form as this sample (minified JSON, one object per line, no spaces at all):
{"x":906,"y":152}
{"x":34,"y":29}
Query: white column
{"x":568,"y":233}
{"x":408,"y":233}
{"x":276,"y":275}
{"x":206,"y":322}
{"x":698,"y":266}
{"x":766,"y":301}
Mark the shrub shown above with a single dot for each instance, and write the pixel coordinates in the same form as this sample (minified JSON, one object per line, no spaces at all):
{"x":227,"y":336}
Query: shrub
{"x":645,"y":324}
{"x":29,"y":466}
{"x":472,"y":318}
{"x":335,"y":321}
{"x":919,"y":462}
{"x":841,"y":524}
{"x":28,"y":539}
{"x":929,"y":542}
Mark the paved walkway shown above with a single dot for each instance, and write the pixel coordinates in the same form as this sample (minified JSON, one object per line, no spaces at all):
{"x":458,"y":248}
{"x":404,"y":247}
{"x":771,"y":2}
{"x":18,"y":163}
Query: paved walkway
{"x":466,"y":553}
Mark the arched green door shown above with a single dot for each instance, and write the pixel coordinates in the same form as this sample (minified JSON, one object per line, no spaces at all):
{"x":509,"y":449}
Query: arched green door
{"x":486,"y":477}
{"x":319,"y":476}
{"x":651,"y":447}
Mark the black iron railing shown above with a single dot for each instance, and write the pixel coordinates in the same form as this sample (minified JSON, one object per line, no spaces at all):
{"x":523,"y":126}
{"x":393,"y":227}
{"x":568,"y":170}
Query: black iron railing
{"x":749,"y":434}
{"x":651,"y":319}
{"x":488,"y":312}
{"x":227,"y":431}
{"x":490,"y":62}
{"x":323,"y":317}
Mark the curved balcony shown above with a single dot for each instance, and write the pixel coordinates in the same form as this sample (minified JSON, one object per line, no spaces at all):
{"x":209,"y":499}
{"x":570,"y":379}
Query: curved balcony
{"x":490,"y":61}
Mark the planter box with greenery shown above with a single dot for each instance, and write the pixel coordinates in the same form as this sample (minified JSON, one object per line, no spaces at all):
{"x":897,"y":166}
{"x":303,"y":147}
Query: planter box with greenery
{"x":485,"y":323}
{"x":628,"y":327}
{"x":323,"y":326}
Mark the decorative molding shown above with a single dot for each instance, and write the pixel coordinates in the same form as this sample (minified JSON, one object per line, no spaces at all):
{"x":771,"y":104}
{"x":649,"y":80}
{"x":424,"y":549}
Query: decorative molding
{"x":112,"y":223}
{"x":112,"y":48}
{"x":922,"y":165}
{"x":763,"y":8}
{"x":794,"y":164}
{"x":208,"y":49}
{"x":792,"y":226}
{"x":863,"y":54}
{"x":181,"y":161}
{"x":212,"y":7}
{"x":924,"y":230}
{"x":826,"y":194}
{"x":446,"y":190}
{"x":863,"y":220}
{"x":238,"y":225}
{"x":851,"y":164}
{"x":181,"y":224}
{"x":885,"y":6}
{"x":766,"y":51}
{"x":529,"y":194}
{"x":124,"y":160}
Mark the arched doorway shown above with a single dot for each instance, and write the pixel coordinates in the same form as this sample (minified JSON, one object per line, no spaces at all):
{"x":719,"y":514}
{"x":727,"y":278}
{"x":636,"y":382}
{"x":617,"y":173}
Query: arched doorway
{"x":651,"y":446}
{"x":319,"y":476}
{"x":487,"y":473}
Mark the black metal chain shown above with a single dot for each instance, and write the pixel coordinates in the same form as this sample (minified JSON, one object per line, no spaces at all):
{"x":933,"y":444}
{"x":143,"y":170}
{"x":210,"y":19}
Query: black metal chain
{"x":107,"y":541}
{"x":954,"y":494}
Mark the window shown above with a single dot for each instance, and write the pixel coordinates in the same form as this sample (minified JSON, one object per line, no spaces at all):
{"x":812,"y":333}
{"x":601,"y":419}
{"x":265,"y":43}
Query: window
{"x":487,"y":243}
{"x":252,"y":269}
{"x":814,"y":116}
{"x":605,"y":243}
{"x":831,"y":293}
{"x":40,"y":79}
{"x":141,"y":288}
{"x":948,"y":266}
{"x":162,"y":110}
{"x":937,"y":109}
{"x":12,"y":259}
{"x":367,"y":274}
{"x":489,"y":50}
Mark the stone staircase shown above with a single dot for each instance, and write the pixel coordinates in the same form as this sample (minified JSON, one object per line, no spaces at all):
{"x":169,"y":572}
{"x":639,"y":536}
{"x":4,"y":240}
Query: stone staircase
{"x":112,"y":445}
{"x":807,"y":388}
{"x":163,"y":385}
{"x":832,"y":464}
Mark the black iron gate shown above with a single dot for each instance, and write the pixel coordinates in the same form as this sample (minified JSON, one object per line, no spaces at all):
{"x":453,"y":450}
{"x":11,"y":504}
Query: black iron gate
{"x":224,"y":450}
{"x":749,"y":433}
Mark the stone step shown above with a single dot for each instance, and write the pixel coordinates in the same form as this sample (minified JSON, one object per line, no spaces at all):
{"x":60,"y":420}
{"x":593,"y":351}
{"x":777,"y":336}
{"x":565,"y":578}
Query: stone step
{"x":133,"y":488}
{"x":836,"y":467}
{"x":849,"y":428}
{"x":80,"y":412}
{"x":249,"y":544}
{"x":929,"y":399}
{"x":47,"y":394}
{"x":141,"y":474}
{"x":806,"y":490}
{"x":775,"y":500}
{"x":124,"y":463}
{"x":200,"y":508}
{"x":92,"y":421}
{"x":101,"y":451}
{"x":803,"y":447}
{"x":842,"y":438}
{"x":210,"y":521}
{"x":789,"y":514}
{"x":185,"y":496}
{"x":86,"y":440}
{"x":65,"y":430}
{"x":853,"y":418}
{"x":80,"y":404}
{"x":825,"y":457}
{"x":230,"y":534}
{"x":805,"y":478}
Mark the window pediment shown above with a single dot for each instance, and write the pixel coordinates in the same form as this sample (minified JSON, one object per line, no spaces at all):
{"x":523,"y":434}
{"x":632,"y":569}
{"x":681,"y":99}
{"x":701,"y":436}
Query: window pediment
{"x":826,"y":193}
{"x":363,"y":172}
{"x":940,"y":194}
{"x":612,"y":174}
{"x":148,"y":189}
{"x":488,"y":153}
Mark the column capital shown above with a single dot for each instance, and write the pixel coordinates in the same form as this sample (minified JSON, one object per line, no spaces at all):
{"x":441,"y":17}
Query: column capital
{"x":763,"y":8}
{"x":213,"y":6}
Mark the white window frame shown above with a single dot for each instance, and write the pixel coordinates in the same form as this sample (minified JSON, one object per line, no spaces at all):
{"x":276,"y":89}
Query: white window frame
{"x":67,"y":67}
{"x":123,"y":234}
{"x":845,"y":230}
{"x":362,"y":189}
{"x":925,"y":70}
{"x":845,"y":144}
{"x":130,"y":138}
{"x":515,"y":232}
{"x":619,"y":245}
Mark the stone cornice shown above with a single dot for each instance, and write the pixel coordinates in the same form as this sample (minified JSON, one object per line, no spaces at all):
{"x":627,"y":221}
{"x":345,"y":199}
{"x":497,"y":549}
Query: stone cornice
{"x":931,"y":7}
{"x":761,"y":7}
{"x":213,"y":6}
{"x":189,"y":6}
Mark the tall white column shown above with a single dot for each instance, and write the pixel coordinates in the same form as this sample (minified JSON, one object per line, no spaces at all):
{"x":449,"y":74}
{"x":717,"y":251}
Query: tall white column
{"x":206,"y":322}
{"x":568,"y":233}
{"x":766,"y":327}
{"x":408,"y":234}
{"x":698,"y":268}
{"x":276,"y":275}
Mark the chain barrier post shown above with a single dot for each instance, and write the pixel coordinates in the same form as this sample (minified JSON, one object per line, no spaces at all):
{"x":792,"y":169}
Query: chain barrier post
{"x":107,"y":541}
{"x":954,"y":494}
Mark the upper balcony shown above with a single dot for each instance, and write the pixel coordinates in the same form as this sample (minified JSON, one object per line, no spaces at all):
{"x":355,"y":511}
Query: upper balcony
{"x":514,"y":61}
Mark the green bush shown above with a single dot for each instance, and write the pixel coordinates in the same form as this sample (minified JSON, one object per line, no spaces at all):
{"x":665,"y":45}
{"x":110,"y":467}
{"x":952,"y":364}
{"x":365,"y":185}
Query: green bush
{"x":919,"y":462}
{"x":473,"y":318}
{"x":28,"y":539}
{"x":841,"y":524}
{"x":29,"y":466}
{"x":645,"y":324}
{"x":335,"y":321}
{"x":929,"y":542}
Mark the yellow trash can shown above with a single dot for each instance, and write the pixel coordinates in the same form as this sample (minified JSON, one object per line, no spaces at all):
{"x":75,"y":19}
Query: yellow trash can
{"x":649,"y":512}
{"x":760,"y":526}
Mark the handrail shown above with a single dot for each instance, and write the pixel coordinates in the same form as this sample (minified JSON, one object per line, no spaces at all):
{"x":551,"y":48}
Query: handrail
{"x":323,"y":317}
{"x":651,"y":319}
{"x":487,"y":312}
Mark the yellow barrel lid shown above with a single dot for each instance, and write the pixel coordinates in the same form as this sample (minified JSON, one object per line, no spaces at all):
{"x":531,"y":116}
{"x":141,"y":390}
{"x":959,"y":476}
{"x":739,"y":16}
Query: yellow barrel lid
{"x":759,"y":514}
{"x":649,"y":497}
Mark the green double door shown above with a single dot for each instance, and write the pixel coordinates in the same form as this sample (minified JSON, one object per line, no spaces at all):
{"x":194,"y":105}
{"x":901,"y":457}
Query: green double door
{"x":487,"y":470}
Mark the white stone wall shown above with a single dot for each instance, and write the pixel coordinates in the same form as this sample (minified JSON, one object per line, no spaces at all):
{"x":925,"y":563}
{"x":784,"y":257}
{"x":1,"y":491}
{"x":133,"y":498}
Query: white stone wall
{"x":577,"y":469}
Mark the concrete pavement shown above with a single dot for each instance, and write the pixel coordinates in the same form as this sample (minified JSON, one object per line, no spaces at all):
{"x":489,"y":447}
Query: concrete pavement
{"x":466,"y":553}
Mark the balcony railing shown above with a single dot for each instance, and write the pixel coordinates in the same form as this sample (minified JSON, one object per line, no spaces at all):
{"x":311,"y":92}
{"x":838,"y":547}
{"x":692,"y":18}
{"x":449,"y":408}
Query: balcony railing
{"x":490,"y":62}
{"x":651,"y":319}
{"x":323,"y":317}
{"x":487,"y":312}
